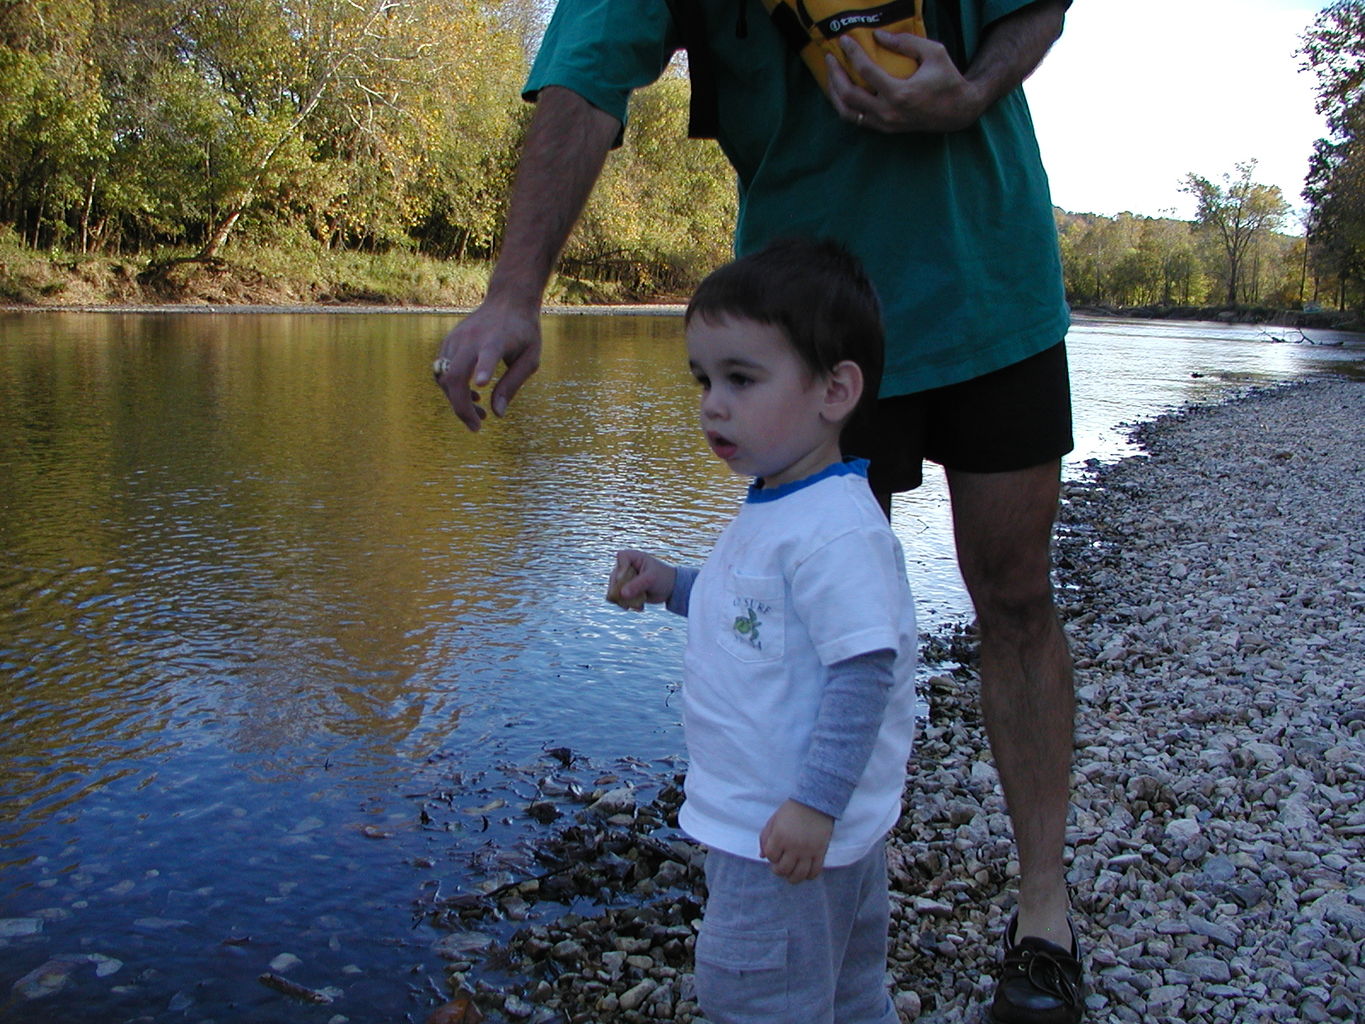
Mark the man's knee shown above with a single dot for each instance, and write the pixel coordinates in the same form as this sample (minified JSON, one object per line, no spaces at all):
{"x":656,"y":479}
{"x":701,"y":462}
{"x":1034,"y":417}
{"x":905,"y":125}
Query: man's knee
{"x":1019,"y":605}
{"x":1003,"y":526}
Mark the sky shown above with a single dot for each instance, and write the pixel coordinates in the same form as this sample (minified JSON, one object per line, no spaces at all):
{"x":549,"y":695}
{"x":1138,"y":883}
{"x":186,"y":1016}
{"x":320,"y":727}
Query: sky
{"x":1139,"y":93}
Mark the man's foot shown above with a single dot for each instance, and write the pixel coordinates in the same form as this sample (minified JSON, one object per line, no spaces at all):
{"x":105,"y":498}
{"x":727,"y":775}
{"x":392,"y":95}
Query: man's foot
{"x":1040,"y":982}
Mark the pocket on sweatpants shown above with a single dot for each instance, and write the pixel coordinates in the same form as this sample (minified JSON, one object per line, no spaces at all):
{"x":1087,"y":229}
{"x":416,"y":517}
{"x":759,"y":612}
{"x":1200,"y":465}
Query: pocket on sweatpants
{"x":741,"y":972}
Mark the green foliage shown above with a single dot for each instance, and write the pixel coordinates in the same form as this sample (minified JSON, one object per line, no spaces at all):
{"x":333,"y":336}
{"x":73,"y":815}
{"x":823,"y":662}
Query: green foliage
{"x":181,"y":126}
{"x":140,"y":124}
{"x":51,"y":107}
{"x":1334,"y":49}
{"x":1131,"y":261}
{"x":665,"y":205}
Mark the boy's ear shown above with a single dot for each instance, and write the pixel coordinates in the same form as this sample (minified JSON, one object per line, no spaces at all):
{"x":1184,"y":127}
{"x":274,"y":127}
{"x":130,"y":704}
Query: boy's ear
{"x":843,"y":390}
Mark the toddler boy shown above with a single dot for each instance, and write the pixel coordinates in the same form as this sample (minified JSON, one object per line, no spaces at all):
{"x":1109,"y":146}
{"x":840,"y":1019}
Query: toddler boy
{"x":798,"y":690}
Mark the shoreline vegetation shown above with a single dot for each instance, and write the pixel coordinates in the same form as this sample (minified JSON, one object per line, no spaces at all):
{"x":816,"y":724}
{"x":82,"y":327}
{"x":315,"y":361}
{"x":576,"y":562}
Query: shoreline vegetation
{"x":261,"y":278}
{"x":317,"y":280}
{"x":1212,"y":588}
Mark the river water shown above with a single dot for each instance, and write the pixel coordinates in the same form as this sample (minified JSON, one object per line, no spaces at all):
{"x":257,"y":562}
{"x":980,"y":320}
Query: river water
{"x":281,"y":645}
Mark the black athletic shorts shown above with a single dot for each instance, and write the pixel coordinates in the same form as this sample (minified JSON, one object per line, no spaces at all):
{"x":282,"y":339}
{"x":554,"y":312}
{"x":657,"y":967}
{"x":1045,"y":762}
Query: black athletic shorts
{"x":1012,"y":418}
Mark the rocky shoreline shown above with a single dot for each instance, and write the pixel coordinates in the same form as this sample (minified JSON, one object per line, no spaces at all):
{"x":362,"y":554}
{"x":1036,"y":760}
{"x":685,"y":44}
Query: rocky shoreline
{"x":1213,"y":591}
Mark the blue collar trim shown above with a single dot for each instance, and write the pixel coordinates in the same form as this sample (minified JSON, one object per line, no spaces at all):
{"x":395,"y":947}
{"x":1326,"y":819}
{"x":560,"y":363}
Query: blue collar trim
{"x":849,"y":467}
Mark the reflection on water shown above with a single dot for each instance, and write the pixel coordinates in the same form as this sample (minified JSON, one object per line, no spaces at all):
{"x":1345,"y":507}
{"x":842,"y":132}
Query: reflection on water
{"x":257,"y":586}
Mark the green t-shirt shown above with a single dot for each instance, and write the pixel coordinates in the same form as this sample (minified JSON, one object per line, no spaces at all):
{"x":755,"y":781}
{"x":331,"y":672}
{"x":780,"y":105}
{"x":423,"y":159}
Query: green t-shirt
{"x":955,"y":230}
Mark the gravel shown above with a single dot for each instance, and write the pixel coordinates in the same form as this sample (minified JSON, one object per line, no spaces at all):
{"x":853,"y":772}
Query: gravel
{"x":1213,"y":591}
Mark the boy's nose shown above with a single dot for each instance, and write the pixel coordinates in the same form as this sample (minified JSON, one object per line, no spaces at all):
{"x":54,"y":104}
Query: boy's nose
{"x":711,"y":406}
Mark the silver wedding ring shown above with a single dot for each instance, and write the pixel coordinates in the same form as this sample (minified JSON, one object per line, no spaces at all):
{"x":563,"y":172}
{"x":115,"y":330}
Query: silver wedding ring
{"x":439,"y":367}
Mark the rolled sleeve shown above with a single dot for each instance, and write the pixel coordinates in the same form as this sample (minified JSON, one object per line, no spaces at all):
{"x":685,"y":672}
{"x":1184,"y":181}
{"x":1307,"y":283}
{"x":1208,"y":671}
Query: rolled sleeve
{"x":603,"y":50}
{"x":994,"y":10}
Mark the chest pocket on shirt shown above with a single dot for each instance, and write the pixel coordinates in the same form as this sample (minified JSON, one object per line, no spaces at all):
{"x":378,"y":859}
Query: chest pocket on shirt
{"x":752,"y":615}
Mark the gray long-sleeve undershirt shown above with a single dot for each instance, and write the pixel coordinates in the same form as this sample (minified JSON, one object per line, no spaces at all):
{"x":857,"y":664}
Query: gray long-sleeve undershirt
{"x":851,"y":710}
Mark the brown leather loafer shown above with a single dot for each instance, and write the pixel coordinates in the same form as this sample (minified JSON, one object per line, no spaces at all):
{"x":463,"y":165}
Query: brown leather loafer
{"x":1040,"y":982}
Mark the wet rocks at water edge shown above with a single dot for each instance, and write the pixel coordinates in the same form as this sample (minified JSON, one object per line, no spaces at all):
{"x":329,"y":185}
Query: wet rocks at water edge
{"x":1213,"y":591}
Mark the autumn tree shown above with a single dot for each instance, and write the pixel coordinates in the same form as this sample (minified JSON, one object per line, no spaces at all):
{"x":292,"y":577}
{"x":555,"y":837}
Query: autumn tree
{"x":1091,"y":248}
{"x":51,"y":143}
{"x":466,"y":130}
{"x":662,"y":199}
{"x":1334,"y":49}
{"x":1237,"y":212}
{"x":277,"y":63}
{"x":1129,"y":260}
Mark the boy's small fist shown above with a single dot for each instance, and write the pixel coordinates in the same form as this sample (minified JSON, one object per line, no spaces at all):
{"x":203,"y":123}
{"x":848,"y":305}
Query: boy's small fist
{"x":622,"y":574}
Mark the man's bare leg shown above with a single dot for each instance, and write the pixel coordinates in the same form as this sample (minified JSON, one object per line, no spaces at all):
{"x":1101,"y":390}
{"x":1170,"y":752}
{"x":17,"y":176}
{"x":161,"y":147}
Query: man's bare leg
{"x":1003,"y":524}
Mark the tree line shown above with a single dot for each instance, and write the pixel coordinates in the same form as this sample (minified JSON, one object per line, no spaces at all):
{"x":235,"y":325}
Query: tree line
{"x":152,"y":126}
{"x":175,"y":129}
{"x":1232,"y":254}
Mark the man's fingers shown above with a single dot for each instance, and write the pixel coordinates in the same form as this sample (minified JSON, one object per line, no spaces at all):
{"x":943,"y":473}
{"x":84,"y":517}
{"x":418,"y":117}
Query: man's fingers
{"x":906,"y":43}
{"x":857,"y":56}
{"x":466,"y":408}
{"x":485,"y":366}
{"x":463,"y":399}
{"x":843,"y":93}
{"x":517,"y":373}
{"x":839,"y":85}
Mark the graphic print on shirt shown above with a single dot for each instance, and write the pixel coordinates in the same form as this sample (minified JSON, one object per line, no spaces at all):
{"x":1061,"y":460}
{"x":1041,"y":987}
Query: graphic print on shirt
{"x":753,"y":626}
{"x":747,"y":626}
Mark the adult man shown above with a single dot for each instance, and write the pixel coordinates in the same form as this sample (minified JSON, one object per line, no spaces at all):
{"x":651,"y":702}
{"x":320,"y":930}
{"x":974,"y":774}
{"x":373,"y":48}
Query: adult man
{"x":936,"y":184}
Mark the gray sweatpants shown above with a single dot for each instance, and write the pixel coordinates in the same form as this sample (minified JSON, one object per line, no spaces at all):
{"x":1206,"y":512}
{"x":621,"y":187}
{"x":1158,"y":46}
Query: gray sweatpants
{"x":770,"y":952}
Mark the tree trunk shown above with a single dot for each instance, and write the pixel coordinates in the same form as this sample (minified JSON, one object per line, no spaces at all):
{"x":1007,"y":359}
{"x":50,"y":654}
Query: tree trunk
{"x":85,"y":215}
{"x":220,"y":234}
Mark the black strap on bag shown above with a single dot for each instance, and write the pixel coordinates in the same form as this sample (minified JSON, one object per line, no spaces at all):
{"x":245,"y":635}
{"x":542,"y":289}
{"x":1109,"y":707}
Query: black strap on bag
{"x":703,"y":116}
{"x":832,"y":26}
{"x":948,"y":29}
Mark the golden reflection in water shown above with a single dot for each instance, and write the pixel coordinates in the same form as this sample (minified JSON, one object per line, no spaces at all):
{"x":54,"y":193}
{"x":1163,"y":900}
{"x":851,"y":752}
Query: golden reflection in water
{"x":271,"y":526}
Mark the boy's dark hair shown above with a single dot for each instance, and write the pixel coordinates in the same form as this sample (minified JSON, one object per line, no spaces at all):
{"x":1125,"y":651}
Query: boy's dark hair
{"x":816,"y":293}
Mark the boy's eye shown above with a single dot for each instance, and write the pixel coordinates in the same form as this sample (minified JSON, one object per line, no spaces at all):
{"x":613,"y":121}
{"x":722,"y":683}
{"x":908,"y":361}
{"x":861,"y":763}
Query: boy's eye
{"x":705,"y":382}
{"x":739,"y":380}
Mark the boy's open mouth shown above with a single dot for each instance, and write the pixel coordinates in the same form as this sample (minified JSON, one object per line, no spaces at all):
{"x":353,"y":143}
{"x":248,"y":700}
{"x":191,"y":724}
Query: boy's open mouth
{"x":722,"y":446}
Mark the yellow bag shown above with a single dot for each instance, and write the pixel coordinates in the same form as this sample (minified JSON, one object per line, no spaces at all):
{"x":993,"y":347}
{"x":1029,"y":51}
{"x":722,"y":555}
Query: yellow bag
{"x":813,"y":28}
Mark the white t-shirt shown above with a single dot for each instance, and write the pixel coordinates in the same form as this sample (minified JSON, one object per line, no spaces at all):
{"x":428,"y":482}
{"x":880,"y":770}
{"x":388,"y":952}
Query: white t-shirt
{"x":807,"y":575}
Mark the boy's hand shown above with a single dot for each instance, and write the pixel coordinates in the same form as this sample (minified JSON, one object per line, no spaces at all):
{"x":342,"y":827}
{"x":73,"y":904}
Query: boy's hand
{"x":638,"y":578}
{"x":795,"y":840}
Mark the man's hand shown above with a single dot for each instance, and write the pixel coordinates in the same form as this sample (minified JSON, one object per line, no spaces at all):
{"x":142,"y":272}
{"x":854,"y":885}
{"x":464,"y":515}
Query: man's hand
{"x":795,"y":840}
{"x":476,"y":346}
{"x":936,"y":98}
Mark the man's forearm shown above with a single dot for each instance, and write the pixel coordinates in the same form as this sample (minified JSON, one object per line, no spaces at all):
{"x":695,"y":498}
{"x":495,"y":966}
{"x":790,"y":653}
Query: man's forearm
{"x":1014,"y":46}
{"x":565,"y":148}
